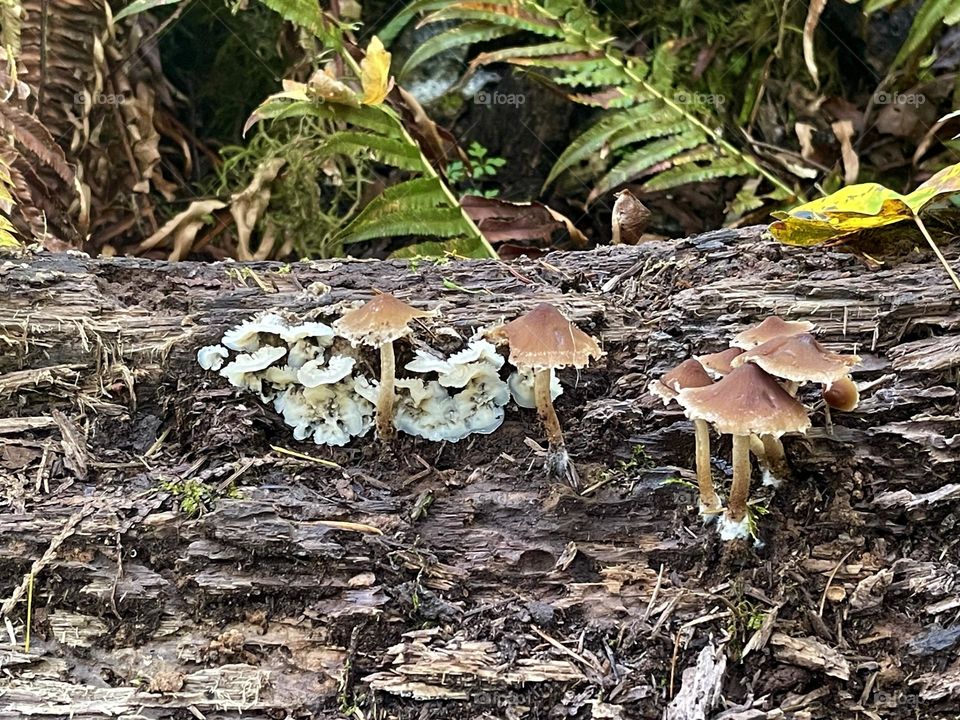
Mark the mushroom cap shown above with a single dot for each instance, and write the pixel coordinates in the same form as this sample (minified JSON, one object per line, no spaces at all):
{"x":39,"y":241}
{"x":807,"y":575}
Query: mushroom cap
{"x":718,"y":363}
{"x":544,"y":338}
{"x":246,"y":335}
{"x":746,"y":401}
{"x":378,"y":321}
{"x":770,"y":328}
{"x":843,"y":395}
{"x":211,"y":357}
{"x":688,"y":374}
{"x":799,"y":358}
{"x":315,"y":373}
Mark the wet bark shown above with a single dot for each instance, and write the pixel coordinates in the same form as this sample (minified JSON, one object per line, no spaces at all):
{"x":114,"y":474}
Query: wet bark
{"x":463,"y":581}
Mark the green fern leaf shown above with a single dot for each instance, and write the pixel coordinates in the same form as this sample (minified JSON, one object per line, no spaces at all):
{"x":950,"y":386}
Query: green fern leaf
{"x":640,"y":161}
{"x":928,"y":19}
{"x":304,"y":13}
{"x":508,"y":17}
{"x":551,"y":54}
{"x":414,"y":207}
{"x":388,"y":150}
{"x":594,"y":139}
{"x":685,"y":172}
{"x":466,"y":34}
{"x":7,"y":231}
{"x":436,"y":222}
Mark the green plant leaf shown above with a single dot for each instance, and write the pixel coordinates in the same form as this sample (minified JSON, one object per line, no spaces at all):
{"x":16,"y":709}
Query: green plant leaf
{"x":138,"y":6}
{"x":596,"y":137}
{"x":304,"y":13}
{"x":466,"y":34}
{"x":927,"y":20}
{"x":388,"y":150}
{"x":640,"y":162}
{"x":414,"y":207}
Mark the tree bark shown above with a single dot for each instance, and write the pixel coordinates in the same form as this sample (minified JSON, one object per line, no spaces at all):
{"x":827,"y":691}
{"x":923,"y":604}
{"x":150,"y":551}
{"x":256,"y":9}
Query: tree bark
{"x":455,"y":580}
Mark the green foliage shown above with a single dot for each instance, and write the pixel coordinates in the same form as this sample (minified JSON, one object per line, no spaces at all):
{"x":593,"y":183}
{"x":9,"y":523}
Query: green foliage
{"x":469,"y":178}
{"x":313,"y":197}
{"x":653,"y":129}
{"x":8,"y":238}
{"x":196,"y":497}
{"x":420,"y":206}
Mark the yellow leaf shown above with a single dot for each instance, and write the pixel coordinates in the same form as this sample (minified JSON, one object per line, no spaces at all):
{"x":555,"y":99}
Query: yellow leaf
{"x":867,"y":206}
{"x":375,"y":73}
{"x":855,"y":208}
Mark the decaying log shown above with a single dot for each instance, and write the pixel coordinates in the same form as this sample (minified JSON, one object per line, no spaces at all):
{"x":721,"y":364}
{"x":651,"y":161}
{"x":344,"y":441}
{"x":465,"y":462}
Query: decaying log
{"x":454,"y":580}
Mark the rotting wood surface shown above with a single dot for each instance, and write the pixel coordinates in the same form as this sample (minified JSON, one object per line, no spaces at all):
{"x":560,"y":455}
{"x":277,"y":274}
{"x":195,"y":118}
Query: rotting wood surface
{"x":490,"y":592}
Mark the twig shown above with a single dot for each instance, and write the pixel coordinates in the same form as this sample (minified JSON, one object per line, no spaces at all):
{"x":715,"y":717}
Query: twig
{"x":823,"y":598}
{"x":936,"y":251}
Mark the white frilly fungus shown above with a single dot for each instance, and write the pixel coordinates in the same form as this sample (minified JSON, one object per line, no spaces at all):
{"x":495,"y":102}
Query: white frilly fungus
{"x":312,"y":384}
{"x":429,"y":410}
{"x":521,"y":387}
{"x":211,"y":357}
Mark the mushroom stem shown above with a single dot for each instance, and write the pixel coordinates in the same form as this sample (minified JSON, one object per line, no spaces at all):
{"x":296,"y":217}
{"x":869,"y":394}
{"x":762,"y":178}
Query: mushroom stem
{"x":709,"y":502}
{"x":791,"y":386}
{"x":558,"y":462}
{"x":776,"y":459}
{"x":385,"y":428}
{"x":740,"y":489}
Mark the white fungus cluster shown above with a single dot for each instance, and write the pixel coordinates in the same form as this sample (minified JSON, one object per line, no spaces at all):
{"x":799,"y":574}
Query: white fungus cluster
{"x":288,"y":364}
{"x":309,"y":374}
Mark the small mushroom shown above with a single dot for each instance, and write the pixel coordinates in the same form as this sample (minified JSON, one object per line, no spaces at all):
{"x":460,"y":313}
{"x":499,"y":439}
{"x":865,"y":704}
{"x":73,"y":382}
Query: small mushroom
{"x":799,"y":359}
{"x":842,"y":395}
{"x":378,"y":323}
{"x":770,"y":328}
{"x":718,"y":364}
{"x":540,"y":341}
{"x":691,"y":374}
{"x":747,"y":401}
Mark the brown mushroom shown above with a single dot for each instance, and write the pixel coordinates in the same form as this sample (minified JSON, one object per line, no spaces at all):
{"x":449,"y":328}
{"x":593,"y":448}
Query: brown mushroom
{"x":378,"y":323}
{"x":543,"y":340}
{"x":842,"y":395}
{"x":799,"y":359}
{"x":718,"y":363}
{"x":771,"y":327}
{"x":690,"y":374}
{"x":746,"y":401}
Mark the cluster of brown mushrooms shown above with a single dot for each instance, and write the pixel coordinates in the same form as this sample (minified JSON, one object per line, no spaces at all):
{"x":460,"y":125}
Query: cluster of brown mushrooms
{"x":749,"y":391}
{"x":311,"y":373}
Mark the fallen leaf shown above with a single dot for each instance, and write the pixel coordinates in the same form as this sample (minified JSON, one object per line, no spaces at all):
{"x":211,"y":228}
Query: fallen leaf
{"x":501,"y":221}
{"x":844,"y":132}
{"x":375,"y":73}
{"x":809,"y":28}
{"x":248,"y":205}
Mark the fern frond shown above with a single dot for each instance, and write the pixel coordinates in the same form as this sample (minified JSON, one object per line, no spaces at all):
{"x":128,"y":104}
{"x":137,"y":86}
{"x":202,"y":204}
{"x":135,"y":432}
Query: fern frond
{"x":11,"y":21}
{"x":387,"y":150}
{"x":306,"y":14}
{"x":31,"y":134}
{"x":639,"y":162}
{"x":499,"y":14}
{"x":595,"y":138}
{"x":414,"y":207}
{"x":464,"y":35}
{"x":571,"y":49}
{"x":685,"y":172}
